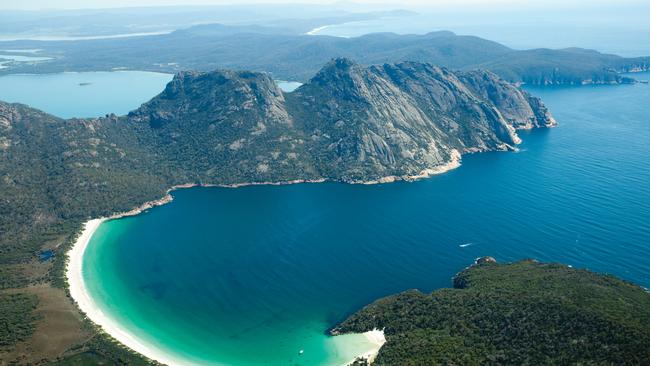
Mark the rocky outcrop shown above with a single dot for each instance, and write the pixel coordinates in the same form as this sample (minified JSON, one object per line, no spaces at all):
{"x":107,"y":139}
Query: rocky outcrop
{"x":349,"y":122}
{"x":402,"y":120}
{"x":484,"y":260}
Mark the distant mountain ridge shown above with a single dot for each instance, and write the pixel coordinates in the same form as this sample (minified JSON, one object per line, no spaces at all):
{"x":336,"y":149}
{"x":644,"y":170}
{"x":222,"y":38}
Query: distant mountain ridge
{"x":297,"y":57}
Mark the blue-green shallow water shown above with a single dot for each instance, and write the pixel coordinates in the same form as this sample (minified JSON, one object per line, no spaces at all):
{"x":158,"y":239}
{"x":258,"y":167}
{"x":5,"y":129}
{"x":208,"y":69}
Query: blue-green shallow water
{"x":83,"y":94}
{"x":249,"y":276}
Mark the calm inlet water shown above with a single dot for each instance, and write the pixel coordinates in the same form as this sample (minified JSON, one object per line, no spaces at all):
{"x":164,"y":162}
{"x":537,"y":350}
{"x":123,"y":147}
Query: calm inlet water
{"x":250,"y":276}
{"x":87,"y":94}
{"x":83,"y":94}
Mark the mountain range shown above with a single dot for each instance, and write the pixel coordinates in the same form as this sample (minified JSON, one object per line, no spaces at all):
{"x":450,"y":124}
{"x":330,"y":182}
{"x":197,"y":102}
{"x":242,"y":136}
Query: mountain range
{"x":290,"y":56}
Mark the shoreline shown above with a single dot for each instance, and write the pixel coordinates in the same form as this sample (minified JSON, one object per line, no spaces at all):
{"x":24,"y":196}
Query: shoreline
{"x":378,"y":339}
{"x":86,"y":304}
{"x":315,"y":31}
{"x":426,"y":173}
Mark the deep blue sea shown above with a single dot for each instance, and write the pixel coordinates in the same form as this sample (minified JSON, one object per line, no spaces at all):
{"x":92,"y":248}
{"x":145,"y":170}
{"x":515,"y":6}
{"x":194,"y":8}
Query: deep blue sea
{"x":251,"y":275}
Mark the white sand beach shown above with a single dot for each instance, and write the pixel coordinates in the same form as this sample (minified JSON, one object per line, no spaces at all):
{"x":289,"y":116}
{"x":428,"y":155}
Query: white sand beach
{"x":377,"y":337}
{"x":316,"y":30}
{"x":79,"y":292}
{"x":88,"y":306}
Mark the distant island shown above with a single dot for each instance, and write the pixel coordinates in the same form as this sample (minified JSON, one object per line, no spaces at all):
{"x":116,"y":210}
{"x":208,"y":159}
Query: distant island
{"x":519,"y":313}
{"x":296,"y":57}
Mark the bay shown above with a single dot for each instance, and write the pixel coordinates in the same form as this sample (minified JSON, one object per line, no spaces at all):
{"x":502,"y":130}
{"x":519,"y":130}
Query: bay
{"x":252,"y":275}
{"x":83,"y":94}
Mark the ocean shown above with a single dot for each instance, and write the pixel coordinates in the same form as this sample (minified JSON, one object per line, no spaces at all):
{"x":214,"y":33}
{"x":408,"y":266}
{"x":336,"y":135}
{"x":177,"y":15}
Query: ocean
{"x":253,"y":275}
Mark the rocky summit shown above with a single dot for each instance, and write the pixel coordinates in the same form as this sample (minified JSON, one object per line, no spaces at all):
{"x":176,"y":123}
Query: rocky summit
{"x":349,"y":122}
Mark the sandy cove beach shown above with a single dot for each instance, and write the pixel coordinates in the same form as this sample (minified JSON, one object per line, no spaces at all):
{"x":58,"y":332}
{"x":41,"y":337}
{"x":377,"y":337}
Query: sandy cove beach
{"x":85,"y":302}
{"x":377,"y":338}
{"x":79,"y":292}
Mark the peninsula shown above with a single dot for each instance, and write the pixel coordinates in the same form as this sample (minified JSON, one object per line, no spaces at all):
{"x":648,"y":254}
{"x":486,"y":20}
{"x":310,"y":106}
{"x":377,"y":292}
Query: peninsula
{"x":518,"y":313}
{"x":349,"y":123}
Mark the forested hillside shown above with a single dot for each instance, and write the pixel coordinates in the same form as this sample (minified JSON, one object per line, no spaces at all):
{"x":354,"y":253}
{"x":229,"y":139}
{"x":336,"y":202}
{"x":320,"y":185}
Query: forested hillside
{"x":523,"y":313}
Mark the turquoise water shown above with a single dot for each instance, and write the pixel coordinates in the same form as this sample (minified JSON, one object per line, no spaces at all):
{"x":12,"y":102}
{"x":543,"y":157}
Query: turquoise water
{"x":83,"y":94}
{"x":250,"y":276}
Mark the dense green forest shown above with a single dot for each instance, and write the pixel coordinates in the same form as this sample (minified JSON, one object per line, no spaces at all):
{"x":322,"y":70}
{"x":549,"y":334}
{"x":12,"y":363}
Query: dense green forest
{"x":523,"y":313}
{"x":16,"y":318}
{"x":297,"y":57}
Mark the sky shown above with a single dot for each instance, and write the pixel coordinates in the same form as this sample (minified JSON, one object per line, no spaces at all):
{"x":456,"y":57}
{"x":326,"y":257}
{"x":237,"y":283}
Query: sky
{"x":80,"y":4}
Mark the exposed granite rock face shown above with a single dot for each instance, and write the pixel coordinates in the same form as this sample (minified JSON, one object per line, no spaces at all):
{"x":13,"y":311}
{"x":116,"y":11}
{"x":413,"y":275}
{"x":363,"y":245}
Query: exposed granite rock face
{"x":517,"y":107}
{"x":241,"y":98}
{"x":349,"y":123}
{"x":402,"y":120}
{"x":233,"y":126}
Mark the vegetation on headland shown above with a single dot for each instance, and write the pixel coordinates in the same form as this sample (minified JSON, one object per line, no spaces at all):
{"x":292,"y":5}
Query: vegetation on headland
{"x":101,"y":349}
{"x":298,"y":57}
{"x":227,"y":127}
{"x":16,"y":318}
{"x":523,"y":313}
